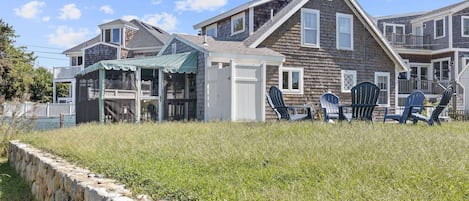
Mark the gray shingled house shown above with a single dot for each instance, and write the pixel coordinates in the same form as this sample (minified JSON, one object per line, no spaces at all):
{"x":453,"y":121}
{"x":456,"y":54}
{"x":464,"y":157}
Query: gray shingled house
{"x":435,"y":46}
{"x":305,"y":47}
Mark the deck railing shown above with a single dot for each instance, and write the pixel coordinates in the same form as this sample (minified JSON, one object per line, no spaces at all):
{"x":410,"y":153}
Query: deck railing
{"x":180,"y":109}
{"x":426,"y":86}
{"x":409,"y":41}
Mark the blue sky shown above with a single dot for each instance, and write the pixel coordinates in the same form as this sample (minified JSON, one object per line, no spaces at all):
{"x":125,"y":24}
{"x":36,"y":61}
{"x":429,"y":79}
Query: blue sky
{"x":49,"y":27}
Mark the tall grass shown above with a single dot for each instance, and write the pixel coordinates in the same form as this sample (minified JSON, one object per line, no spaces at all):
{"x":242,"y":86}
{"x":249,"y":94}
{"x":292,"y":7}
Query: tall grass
{"x":273,"y":161}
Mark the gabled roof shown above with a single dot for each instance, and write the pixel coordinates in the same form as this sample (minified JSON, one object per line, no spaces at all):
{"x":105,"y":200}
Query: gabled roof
{"x":147,"y":36}
{"x":80,"y":46}
{"x":231,"y":12}
{"x":117,"y":23}
{"x":451,"y":8}
{"x":286,"y":13}
{"x":212,"y":46}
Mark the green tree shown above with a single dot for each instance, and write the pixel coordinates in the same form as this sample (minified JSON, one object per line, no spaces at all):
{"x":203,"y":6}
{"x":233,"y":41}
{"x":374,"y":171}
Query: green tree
{"x":41,"y":87}
{"x":16,"y":65}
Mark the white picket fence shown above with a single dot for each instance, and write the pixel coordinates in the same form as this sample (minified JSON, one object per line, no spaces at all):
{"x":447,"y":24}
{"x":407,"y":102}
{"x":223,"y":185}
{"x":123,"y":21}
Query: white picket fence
{"x":38,"y":110}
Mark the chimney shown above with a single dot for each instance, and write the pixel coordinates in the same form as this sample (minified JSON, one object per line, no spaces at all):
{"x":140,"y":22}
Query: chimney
{"x":205,"y":40}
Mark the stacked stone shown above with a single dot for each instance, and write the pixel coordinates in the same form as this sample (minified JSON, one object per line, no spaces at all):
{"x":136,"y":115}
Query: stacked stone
{"x":52,"y":178}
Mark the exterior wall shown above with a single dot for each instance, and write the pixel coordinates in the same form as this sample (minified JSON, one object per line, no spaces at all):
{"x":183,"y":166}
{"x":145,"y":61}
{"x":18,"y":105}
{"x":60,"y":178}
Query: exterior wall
{"x":224,"y":29}
{"x":124,"y":54}
{"x":262,"y":13}
{"x":458,"y":40}
{"x":98,"y":53}
{"x":322,"y":66}
{"x":415,"y":58}
{"x":200,"y":76}
{"x":129,"y":34}
{"x":52,"y":178}
{"x":271,"y":80}
{"x":440,"y":43}
{"x":398,"y":20}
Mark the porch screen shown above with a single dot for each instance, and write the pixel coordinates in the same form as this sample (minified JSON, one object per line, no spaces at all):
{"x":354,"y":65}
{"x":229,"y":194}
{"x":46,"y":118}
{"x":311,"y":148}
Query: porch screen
{"x":87,"y":93}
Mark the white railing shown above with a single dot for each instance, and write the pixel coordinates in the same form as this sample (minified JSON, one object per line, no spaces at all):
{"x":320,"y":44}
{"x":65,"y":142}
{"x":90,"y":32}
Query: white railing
{"x":66,"y":72}
{"x":38,"y":110}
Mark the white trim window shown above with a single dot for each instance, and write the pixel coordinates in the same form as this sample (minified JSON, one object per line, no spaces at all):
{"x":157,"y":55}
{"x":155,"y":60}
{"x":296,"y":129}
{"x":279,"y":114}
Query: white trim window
{"x":348,"y":80}
{"x":395,"y":33}
{"x":383,"y":81}
{"x":112,"y":35}
{"x":174,"y":48}
{"x":465,"y":61}
{"x":465,"y":26}
{"x":291,"y":80}
{"x":310,"y":27}
{"x":441,"y":68}
{"x":439,"y":28}
{"x":238,"y":23}
{"x":212,"y":30}
{"x":344,"y":26}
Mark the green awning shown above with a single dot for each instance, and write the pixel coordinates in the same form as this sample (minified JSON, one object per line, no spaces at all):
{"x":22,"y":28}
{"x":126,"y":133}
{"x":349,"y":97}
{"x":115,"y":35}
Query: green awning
{"x":174,"y":63}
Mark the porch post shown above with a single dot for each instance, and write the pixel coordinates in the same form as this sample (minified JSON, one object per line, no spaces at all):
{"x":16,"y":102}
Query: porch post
{"x":160,"y":95}
{"x":54,"y":92}
{"x":186,"y":96}
{"x":73,"y":89}
{"x":101,"y":81}
{"x":233,"y":90}
{"x":138,"y":83}
{"x":263,"y":88}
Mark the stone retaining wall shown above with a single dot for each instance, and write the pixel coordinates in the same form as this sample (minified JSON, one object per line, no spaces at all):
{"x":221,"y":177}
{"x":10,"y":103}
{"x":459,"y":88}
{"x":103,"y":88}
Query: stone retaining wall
{"x":52,"y":178}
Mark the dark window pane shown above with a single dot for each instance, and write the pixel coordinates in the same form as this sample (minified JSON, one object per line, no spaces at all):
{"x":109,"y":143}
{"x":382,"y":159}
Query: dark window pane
{"x":445,"y":69}
{"x":107,"y":35}
{"x":80,"y":61}
{"x":295,"y":80}
{"x":285,"y":80}
{"x":116,"y":36}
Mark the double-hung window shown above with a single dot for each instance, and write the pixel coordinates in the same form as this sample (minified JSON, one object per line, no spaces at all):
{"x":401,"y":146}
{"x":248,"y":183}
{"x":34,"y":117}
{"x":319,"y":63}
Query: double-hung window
{"x":440,"y":28}
{"x":441,"y":69}
{"x":465,"y":26}
{"x":383,"y":81}
{"x":237,"y":24}
{"x":344,"y":31}
{"x":211,"y":30}
{"x":291,"y":80}
{"x":348,"y":80}
{"x":310,"y":28}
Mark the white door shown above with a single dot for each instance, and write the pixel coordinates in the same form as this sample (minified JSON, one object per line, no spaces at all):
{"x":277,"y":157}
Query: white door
{"x":248,"y":93}
{"x":218,"y":94}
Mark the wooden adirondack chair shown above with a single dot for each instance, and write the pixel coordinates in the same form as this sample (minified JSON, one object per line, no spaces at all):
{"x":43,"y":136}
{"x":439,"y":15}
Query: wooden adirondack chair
{"x":435,"y":116}
{"x":414,"y":100}
{"x":364,"y":98}
{"x":330,"y":106}
{"x":275,"y":100}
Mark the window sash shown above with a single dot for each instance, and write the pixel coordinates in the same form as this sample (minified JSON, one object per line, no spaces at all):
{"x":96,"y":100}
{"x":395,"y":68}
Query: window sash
{"x":439,"y":28}
{"x":382,"y":80}
{"x":237,"y":24}
{"x":344,"y":31}
{"x":292,"y":80}
{"x":116,"y":38}
{"x":310,"y":27}
{"x":465,"y":26}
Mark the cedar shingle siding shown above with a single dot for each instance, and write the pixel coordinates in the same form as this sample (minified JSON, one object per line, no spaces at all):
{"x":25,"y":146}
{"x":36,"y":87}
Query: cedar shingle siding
{"x":98,"y":53}
{"x":322,"y":66}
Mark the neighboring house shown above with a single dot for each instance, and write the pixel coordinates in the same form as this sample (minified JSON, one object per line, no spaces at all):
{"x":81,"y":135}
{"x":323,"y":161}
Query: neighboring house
{"x":435,"y":46}
{"x":325,"y":46}
{"x":119,"y":39}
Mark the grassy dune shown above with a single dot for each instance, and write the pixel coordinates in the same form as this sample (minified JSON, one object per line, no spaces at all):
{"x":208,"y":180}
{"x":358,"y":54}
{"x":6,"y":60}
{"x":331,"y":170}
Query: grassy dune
{"x":273,"y":161}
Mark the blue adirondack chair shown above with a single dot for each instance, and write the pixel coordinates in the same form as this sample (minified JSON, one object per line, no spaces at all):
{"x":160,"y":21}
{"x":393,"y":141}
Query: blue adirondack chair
{"x":330,"y":106}
{"x":364,"y":98}
{"x":413,"y":100}
{"x":435,"y":116}
{"x":275,"y":101}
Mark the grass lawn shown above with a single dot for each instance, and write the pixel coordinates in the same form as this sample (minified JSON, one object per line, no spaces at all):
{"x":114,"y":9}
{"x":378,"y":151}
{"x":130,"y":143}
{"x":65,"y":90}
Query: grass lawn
{"x":12,"y":186}
{"x":273,"y":161}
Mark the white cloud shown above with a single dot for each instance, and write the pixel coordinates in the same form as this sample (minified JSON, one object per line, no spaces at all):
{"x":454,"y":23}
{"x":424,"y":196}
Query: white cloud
{"x":30,"y":10}
{"x":156,"y":2}
{"x":67,"y":37}
{"x":199,"y":5}
{"x":107,"y":9}
{"x":45,"y":18}
{"x":70,"y":11}
{"x":163,"y":20}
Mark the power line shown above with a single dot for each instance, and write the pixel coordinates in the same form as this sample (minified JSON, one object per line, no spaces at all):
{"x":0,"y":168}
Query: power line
{"x":45,"y":52}
{"x":38,"y":46}
{"x":52,"y":58}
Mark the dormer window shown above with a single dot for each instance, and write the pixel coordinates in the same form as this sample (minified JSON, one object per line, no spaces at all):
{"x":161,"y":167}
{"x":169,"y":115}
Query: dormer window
{"x":440,"y":28}
{"x":237,"y":24}
{"x":112,"y":36}
{"x":211,"y":30}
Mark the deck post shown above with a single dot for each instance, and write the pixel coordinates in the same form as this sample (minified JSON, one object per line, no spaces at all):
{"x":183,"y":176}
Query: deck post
{"x":138,"y":83}
{"x":160,"y":95}
{"x":101,"y":84}
{"x":186,"y":96}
